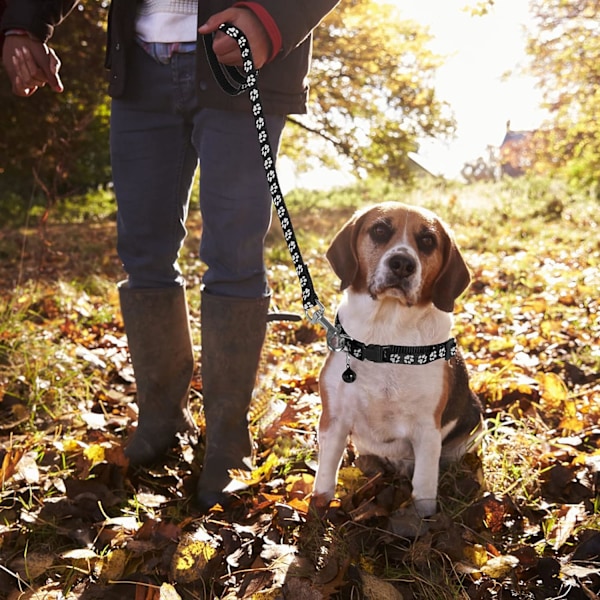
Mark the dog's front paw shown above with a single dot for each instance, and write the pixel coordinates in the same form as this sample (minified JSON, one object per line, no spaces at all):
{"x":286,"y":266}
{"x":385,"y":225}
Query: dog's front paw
{"x":408,"y":523}
{"x":425,"y":507}
{"x":319,"y":503}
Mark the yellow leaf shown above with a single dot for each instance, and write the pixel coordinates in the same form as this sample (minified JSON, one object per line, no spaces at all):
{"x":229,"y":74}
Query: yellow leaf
{"x":500,"y":566}
{"x":70,"y":445}
{"x":94,"y":453}
{"x":256,"y":475}
{"x":537,"y":305}
{"x":302,"y":505}
{"x":549,"y":327}
{"x":190,"y":558}
{"x":571,"y":424}
{"x":299,"y":485}
{"x":554,"y":391}
{"x":351,"y":477}
{"x":476,"y":555}
{"x":111,"y":566}
{"x":367,"y":564}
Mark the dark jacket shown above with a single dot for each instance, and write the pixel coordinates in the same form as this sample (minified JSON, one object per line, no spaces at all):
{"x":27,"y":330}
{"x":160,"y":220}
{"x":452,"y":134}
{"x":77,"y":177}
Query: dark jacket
{"x":282,"y":82}
{"x":39,"y":17}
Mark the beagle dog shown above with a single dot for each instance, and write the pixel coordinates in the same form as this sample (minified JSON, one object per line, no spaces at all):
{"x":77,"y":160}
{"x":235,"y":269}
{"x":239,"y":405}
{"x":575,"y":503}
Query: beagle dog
{"x":401,"y":272}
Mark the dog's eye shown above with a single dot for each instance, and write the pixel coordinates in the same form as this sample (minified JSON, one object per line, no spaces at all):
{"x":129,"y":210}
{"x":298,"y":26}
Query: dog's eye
{"x":427,"y":242}
{"x":380,"y":232}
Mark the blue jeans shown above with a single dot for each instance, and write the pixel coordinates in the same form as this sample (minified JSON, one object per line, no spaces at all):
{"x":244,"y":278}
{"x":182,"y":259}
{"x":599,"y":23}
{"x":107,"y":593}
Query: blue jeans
{"x":158,"y":137}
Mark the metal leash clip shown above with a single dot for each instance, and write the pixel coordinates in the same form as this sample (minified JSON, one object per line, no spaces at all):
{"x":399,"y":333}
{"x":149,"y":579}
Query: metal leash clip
{"x":335,"y":339}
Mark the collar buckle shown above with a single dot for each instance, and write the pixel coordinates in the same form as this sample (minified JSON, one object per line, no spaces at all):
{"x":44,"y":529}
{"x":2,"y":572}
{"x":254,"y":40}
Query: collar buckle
{"x":373,"y":353}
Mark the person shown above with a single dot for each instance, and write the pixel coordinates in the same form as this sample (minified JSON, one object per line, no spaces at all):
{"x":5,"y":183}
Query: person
{"x":168,"y":115}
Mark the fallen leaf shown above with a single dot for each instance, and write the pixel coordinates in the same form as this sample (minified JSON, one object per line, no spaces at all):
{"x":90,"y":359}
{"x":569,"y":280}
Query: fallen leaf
{"x":190,"y":559}
{"x":111,"y":566}
{"x":255,"y":476}
{"x":33,"y":565}
{"x":94,"y":453}
{"x":82,"y":559}
{"x":500,"y":566}
{"x":567,"y":518}
{"x":168,"y":592}
{"x":377,"y":589}
{"x":9,"y":464}
{"x":27,"y":468}
{"x":477,"y":555}
{"x":553,"y":389}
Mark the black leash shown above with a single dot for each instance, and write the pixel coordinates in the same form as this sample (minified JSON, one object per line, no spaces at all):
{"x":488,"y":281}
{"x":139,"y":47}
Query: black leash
{"x":235,"y":83}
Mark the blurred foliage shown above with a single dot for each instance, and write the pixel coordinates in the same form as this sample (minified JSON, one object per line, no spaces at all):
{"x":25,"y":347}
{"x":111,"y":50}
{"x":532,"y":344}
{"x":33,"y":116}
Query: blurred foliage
{"x":372,"y":96}
{"x":480,"y":8}
{"x":565,"y":51}
{"x":372,"y":91}
{"x":55,"y":145}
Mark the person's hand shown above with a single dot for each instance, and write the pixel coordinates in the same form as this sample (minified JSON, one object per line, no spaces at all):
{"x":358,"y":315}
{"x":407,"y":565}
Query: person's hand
{"x":226,"y":48}
{"x":30,"y":65}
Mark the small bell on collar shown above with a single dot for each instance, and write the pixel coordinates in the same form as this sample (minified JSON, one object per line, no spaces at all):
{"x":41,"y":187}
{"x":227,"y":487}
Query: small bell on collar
{"x":349,"y":376}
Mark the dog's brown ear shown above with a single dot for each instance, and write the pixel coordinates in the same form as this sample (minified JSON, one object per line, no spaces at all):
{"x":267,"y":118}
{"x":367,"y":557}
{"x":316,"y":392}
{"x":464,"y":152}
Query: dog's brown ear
{"x":342,"y":255}
{"x":453,"y":279}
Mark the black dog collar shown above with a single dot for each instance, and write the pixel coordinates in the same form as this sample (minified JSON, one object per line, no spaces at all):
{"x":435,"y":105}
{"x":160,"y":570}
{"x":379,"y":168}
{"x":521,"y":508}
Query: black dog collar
{"x":402,"y":355}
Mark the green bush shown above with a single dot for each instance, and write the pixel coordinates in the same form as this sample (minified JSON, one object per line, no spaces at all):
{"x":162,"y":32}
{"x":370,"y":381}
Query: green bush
{"x":56,"y":145}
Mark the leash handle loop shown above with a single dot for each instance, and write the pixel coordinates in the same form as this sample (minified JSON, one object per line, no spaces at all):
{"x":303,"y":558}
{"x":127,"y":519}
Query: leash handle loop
{"x":229,"y":78}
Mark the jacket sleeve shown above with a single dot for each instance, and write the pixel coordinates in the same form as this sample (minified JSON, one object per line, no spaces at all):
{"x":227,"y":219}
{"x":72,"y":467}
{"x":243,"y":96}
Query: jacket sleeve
{"x":38,"y":17}
{"x":296,"y":19}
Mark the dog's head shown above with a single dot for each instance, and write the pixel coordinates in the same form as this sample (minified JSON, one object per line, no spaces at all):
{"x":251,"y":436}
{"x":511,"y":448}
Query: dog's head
{"x":399,"y":251}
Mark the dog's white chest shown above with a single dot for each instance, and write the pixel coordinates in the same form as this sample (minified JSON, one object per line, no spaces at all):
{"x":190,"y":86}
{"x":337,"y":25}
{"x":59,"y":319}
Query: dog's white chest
{"x":387,"y":404}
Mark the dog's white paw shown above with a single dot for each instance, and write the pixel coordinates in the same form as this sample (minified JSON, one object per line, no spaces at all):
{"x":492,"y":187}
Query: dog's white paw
{"x":319,"y":503}
{"x":425,"y":507}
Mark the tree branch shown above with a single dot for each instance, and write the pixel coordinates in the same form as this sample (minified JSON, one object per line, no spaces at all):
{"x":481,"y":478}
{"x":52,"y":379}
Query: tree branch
{"x":325,"y":136}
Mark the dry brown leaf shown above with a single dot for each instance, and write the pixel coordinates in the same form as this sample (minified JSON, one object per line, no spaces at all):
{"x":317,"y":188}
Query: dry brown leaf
{"x":9,"y":463}
{"x":377,"y":589}
{"x":111,"y":566}
{"x":567,"y":518}
{"x":33,"y":565}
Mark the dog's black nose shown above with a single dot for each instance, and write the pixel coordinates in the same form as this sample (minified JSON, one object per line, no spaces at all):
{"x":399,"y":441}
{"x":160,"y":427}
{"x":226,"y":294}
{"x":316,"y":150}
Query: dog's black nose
{"x":402,"y":265}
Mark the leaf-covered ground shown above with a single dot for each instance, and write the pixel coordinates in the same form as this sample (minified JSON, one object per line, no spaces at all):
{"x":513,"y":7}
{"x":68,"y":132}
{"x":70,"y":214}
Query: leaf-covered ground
{"x":519,"y":520}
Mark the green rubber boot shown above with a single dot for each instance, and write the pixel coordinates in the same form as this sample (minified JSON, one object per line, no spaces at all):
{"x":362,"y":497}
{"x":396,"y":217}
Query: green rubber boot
{"x":233,"y":332}
{"x":160,"y":345}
